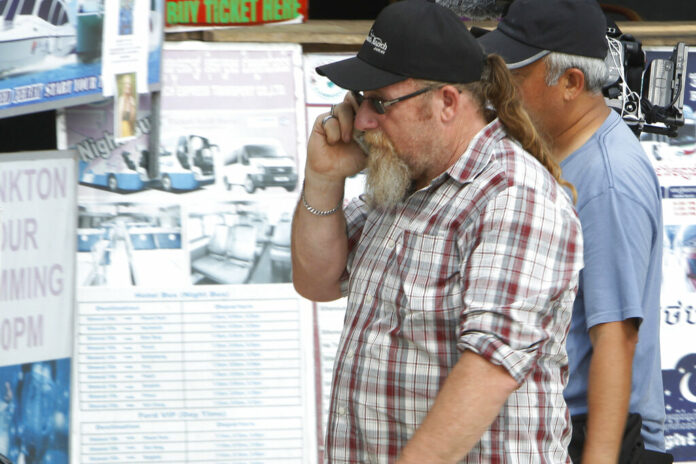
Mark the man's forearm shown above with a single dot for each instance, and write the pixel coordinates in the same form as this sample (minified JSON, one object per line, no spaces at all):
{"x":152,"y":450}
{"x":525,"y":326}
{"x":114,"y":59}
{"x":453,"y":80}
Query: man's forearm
{"x":469,"y":401}
{"x":609,"y":390}
{"x":319,"y":244}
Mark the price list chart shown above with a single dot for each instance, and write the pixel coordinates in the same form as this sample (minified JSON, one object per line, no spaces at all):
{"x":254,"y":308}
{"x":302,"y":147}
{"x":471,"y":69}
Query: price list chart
{"x":214,"y":375}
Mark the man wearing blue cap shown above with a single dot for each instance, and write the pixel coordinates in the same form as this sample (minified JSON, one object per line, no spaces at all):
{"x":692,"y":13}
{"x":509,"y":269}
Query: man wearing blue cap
{"x":556,"y":51}
{"x":459,"y":263}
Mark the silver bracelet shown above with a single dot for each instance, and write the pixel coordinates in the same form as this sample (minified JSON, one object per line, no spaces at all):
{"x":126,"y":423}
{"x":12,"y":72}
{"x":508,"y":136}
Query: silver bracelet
{"x":318,"y":212}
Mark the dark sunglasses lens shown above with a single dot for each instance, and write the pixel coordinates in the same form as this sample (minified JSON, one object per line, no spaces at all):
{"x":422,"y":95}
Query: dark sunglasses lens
{"x":377,"y":105}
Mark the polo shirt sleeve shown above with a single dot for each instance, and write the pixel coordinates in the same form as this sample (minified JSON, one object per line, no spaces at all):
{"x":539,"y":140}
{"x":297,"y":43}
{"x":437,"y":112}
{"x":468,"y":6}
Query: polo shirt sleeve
{"x":619,"y":236}
{"x":519,"y":279}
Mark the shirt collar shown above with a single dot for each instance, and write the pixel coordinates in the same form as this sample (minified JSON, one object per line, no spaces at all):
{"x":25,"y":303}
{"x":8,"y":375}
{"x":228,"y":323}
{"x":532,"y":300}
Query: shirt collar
{"x":478,"y":153}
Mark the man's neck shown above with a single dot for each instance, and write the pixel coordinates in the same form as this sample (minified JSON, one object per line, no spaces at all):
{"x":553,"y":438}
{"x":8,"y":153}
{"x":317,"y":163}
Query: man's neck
{"x":585,"y":119}
{"x":448,"y":154}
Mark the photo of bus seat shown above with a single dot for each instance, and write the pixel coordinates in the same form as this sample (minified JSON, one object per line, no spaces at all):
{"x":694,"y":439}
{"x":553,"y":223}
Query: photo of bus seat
{"x":150,"y":251}
{"x":130,"y":244}
{"x":93,"y":256}
{"x":103,"y":257}
{"x":228,"y":257}
{"x":280,"y":250}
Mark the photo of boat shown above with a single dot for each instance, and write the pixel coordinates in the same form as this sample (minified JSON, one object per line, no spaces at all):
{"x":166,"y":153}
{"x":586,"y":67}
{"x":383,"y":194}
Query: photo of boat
{"x":52,"y":51}
{"x":32,"y":30}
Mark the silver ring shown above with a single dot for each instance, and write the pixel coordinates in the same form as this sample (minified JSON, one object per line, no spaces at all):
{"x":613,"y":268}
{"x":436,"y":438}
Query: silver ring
{"x":326,"y":118}
{"x":332,"y":110}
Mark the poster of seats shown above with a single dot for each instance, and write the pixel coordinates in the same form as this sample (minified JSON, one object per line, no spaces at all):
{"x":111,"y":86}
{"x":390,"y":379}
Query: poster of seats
{"x":191,"y":344}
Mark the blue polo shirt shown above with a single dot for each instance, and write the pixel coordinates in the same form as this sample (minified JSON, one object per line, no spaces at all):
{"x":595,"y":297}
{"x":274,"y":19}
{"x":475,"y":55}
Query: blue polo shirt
{"x":620,"y":211}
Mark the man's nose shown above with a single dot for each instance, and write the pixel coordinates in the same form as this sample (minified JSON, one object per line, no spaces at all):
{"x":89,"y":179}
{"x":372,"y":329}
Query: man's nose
{"x":366,"y":118}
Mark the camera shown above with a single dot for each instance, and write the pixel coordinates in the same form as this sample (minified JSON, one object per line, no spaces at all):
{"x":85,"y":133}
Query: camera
{"x":648,"y":99}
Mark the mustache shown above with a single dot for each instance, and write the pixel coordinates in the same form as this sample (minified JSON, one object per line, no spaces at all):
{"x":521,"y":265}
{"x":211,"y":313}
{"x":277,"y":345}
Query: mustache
{"x":359,"y":138}
{"x":372,"y":140}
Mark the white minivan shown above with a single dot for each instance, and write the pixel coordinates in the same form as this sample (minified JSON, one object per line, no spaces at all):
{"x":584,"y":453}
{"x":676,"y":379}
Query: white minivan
{"x":257,"y":164}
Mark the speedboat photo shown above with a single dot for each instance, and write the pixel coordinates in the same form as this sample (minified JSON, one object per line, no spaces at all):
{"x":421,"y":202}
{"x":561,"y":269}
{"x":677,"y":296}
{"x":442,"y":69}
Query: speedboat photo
{"x":31,"y":30}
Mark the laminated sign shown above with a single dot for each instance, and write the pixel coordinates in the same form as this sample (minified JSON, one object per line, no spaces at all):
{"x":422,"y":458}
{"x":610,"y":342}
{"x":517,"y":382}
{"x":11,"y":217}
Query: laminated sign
{"x":234,"y":12}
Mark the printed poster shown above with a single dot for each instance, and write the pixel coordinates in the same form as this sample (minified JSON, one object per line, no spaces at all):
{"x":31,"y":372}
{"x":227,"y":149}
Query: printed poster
{"x":237,"y":110}
{"x":51,"y":52}
{"x":207,"y":374}
{"x":674,"y":159}
{"x":213,"y":204}
{"x":191,"y":343}
{"x":37,"y":197}
{"x":125,"y":44}
{"x":128,"y":225}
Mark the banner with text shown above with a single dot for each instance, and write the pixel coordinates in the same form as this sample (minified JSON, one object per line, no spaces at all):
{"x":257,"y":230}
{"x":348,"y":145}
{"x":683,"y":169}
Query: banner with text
{"x":234,"y":12}
{"x":38,"y":198}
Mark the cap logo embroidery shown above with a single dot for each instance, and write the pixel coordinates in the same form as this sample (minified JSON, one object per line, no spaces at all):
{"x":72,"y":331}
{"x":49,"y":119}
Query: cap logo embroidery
{"x":378,"y":44}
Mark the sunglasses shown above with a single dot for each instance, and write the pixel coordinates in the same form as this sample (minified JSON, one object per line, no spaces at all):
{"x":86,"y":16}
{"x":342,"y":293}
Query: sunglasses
{"x":380,"y":106}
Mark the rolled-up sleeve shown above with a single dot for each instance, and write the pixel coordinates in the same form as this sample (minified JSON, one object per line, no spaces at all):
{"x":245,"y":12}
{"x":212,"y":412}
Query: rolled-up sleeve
{"x":520,"y":272}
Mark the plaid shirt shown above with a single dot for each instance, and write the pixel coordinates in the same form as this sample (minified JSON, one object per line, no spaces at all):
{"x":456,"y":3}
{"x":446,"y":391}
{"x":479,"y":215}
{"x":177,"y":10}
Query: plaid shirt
{"x":486,"y":258}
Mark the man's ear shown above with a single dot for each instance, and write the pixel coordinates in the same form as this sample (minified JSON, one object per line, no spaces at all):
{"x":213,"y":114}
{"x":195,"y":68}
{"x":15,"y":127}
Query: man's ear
{"x":451,"y":98}
{"x":573,"y":83}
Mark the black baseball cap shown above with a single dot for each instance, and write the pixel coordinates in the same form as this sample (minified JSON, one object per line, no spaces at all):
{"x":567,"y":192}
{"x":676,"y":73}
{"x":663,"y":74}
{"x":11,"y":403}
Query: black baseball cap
{"x":533,"y":28}
{"x":411,"y":39}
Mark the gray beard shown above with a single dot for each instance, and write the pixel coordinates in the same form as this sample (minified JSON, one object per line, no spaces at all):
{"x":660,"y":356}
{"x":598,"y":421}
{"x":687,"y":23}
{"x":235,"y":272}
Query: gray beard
{"x":388,"y":176}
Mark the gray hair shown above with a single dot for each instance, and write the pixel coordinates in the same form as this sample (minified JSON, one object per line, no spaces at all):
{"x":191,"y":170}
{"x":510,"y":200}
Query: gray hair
{"x":594,"y":69}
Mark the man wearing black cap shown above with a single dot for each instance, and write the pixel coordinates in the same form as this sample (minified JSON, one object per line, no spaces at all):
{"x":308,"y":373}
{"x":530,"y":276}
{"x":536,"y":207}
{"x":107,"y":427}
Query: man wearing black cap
{"x":459,"y":263}
{"x":556,"y":51}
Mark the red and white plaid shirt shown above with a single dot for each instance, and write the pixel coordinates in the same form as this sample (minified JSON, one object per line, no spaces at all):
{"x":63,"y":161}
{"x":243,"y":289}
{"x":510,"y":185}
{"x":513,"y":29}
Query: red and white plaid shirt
{"x":485,"y":259}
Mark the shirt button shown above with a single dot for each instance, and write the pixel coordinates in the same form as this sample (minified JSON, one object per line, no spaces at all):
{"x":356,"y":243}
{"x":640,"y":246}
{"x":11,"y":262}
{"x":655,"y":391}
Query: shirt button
{"x":368,"y":298}
{"x":390,"y":243}
{"x":341,"y":411}
{"x":350,"y":353}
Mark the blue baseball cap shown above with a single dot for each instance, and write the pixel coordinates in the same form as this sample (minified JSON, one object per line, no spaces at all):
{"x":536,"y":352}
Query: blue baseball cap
{"x":532,"y":29}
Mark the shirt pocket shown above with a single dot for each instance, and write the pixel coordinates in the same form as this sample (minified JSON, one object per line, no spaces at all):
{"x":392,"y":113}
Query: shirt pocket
{"x":429,"y":272}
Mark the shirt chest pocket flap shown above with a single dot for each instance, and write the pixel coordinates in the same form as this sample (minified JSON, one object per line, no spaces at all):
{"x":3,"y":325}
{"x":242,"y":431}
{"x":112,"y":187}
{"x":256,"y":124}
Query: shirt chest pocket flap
{"x":428,"y":267}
